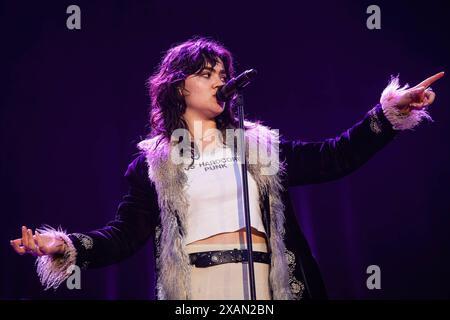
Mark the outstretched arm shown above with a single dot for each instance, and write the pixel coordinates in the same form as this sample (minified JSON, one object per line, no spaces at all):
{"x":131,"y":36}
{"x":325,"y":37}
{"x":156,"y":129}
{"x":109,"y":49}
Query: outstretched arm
{"x":399,"y":109}
{"x":131,"y":228}
{"x":134,"y":223}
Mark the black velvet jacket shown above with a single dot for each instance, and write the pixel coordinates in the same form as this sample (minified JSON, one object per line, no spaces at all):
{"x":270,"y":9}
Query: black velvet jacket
{"x":306,"y":163}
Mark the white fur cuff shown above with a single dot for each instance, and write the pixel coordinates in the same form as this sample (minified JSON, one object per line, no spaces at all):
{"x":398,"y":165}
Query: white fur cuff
{"x":399,"y":120}
{"x":52,"y":269}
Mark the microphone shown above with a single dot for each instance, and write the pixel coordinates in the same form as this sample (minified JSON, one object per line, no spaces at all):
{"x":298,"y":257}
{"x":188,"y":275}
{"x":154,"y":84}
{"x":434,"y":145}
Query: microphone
{"x":227,"y":91}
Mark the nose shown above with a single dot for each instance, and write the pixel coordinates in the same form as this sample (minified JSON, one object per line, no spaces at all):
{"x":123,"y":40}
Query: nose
{"x":218,"y":82}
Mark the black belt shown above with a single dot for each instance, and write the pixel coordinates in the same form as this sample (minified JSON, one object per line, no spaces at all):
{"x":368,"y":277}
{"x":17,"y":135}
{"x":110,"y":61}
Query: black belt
{"x":213,"y":258}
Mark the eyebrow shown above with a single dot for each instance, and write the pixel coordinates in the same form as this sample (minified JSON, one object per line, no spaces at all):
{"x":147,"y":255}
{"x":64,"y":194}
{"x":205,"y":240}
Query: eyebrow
{"x":212,"y":70}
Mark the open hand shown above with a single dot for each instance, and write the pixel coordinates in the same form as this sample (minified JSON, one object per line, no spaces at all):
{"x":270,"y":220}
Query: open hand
{"x":37,"y":244}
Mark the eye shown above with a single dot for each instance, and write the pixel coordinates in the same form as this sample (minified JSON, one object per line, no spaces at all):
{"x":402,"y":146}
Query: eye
{"x":207,"y":75}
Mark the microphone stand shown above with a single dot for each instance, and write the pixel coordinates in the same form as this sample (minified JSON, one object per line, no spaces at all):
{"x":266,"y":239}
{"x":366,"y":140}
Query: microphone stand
{"x":251,"y":270}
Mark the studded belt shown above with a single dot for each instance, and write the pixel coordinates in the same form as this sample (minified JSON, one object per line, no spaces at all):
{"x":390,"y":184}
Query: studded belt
{"x":212,"y":258}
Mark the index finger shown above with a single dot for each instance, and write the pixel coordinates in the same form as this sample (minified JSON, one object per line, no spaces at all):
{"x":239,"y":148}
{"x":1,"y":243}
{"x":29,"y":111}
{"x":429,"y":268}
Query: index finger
{"x":427,"y":82}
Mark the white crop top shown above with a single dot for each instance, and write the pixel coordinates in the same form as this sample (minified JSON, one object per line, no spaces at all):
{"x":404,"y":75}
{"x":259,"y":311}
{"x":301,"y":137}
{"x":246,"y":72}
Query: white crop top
{"x":214,"y":192}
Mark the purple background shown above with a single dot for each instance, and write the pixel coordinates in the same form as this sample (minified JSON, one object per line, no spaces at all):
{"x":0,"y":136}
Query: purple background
{"x":74,"y":105}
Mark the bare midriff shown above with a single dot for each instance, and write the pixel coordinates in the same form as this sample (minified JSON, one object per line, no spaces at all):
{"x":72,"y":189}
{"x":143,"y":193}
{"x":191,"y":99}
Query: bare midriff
{"x":239,"y":236}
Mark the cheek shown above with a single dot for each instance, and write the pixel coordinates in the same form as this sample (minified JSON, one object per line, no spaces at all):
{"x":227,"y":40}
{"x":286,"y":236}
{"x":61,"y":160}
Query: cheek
{"x":197,"y":92}
{"x":194,"y":89}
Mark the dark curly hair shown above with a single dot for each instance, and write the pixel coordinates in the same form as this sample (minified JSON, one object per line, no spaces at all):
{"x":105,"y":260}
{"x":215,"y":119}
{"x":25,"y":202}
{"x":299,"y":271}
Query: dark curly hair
{"x":180,"y":61}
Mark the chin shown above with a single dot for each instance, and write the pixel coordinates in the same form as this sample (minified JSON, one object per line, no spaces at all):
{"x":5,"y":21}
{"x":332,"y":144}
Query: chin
{"x":211,"y":111}
{"x":217,"y":110}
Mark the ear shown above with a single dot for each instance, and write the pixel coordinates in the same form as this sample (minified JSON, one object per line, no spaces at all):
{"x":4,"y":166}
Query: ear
{"x":180,"y":88}
{"x":182,"y":91}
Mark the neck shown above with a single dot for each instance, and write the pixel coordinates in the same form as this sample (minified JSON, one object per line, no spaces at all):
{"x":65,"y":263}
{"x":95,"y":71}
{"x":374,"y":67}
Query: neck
{"x":200,"y":128}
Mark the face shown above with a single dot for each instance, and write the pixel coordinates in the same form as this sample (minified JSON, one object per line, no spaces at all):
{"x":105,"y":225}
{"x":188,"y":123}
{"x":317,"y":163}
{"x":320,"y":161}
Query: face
{"x":200,"y":91}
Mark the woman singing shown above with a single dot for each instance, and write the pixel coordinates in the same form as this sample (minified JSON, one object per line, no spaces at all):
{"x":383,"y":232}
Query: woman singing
{"x":185,"y":191}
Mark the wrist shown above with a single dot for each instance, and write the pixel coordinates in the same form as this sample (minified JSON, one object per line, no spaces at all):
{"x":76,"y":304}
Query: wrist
{"x":404,"y":111}
{"x":61,"y":246}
